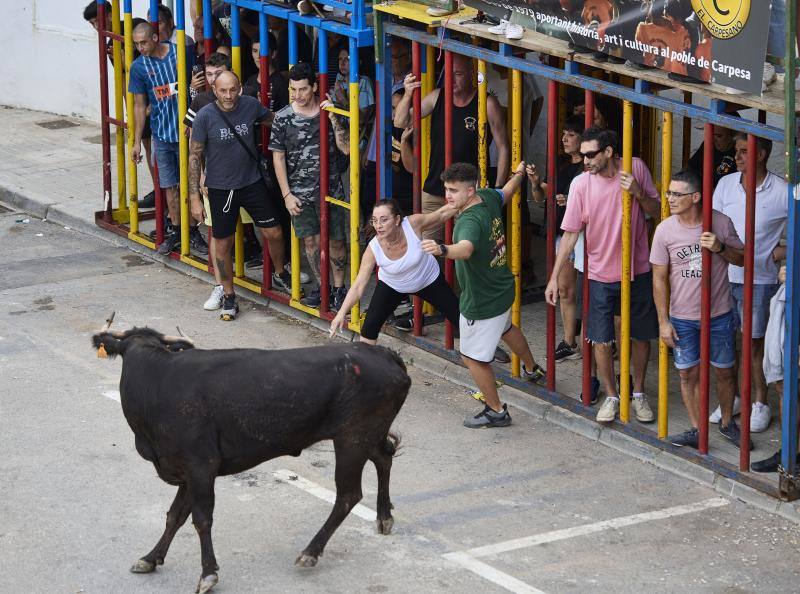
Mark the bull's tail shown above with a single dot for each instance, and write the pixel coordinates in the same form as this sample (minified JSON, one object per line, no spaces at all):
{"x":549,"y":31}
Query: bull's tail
{"x":392,"y":444}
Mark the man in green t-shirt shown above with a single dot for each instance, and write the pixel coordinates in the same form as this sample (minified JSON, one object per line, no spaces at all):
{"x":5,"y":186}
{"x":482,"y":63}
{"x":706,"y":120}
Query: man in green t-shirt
{"x":487,"y":285}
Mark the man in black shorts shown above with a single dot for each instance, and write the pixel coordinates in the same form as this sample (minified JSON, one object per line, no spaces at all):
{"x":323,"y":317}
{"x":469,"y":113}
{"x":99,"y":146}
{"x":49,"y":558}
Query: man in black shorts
{"x":233,"y":180}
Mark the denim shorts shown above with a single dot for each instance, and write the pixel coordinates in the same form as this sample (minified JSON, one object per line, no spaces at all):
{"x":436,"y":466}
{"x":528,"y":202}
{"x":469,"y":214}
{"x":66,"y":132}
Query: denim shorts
{"x":723,"y":342}
{"x":604,"y":304}
{"x":167,"y":155}
{"x":762,"y":295}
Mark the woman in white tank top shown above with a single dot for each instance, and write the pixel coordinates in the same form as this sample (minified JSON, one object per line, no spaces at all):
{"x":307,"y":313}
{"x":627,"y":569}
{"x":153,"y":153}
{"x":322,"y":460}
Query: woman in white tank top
{"x":403,"y":268}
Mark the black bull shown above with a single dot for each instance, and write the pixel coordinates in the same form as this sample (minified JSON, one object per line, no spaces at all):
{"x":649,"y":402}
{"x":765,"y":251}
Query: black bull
{"x":199,"y":414}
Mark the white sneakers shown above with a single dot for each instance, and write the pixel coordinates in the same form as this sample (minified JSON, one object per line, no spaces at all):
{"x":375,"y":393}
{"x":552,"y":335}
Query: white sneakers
{"x":510,"y":30}
{"x":610,"y":409}
{"x":760,"y":415}
{"x":215,"y":300}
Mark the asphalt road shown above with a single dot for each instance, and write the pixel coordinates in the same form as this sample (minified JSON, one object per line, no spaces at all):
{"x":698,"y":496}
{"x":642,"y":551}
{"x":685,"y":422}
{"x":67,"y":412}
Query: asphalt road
{"x":530,"y":508}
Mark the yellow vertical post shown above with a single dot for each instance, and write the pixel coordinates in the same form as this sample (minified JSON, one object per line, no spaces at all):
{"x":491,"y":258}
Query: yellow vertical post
{"x":183,"y":142}
{"x":516,"y":208}
{"x":238,"y":238}
{"x":119,"y":112}
{"x":483,"y":145}
{"x":625,"y":284}
{"x":355,"y":191}
{"x":428,"y":83}
{"x":663,"y":355}
{"x":131,"y":118}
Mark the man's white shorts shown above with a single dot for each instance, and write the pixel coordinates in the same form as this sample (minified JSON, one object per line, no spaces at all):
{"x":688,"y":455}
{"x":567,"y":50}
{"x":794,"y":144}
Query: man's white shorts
{"x":479,"y":338}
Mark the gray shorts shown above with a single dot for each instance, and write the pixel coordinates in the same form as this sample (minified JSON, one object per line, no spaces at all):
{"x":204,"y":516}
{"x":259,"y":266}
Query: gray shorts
{"x":479,"y":338}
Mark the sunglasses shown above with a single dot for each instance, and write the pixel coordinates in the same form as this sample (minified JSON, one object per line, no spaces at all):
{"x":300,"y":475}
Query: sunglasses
{"x":591,"y":154}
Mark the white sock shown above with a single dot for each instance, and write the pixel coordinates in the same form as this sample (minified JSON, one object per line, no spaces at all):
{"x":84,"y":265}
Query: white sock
{"x":638,"y":395}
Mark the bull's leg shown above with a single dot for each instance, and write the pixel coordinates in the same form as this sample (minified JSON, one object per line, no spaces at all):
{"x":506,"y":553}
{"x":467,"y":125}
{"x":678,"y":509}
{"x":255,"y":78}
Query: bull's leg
{"x":202,"y":496}
{"x":349,"y":466}
{"x":383,"y":465}
{"x":176,"y":516}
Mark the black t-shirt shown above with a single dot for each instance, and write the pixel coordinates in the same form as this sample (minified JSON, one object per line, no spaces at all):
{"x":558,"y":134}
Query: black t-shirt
{"x":402,"y":186}
{"x":724,"y":163}
{"x":567,"y":171}
{"x":199,"y":102}
{"x":278,"y":90}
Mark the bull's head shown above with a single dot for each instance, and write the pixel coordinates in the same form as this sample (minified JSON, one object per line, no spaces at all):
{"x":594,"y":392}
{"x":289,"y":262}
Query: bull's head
{"x":112,"y":343}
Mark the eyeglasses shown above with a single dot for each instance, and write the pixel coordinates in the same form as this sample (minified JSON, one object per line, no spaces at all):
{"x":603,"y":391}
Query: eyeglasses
{"x":670,"y":194}
{"x":380,"y":222}
{"x":591,"y":154}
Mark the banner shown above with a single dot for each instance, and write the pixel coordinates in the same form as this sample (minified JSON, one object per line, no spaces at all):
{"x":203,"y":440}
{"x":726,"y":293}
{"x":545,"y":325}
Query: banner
{"x":719,"y":41}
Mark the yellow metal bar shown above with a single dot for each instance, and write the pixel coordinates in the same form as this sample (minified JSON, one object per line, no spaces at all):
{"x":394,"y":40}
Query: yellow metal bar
{"x":238,"y":238}
{"x":309,"y":310}
{"x":129,"y":108}
{"x":295,"y":265}
{"x":336,"y":110}
{"x":244,"y":282}
{"x":355,"y":191}
{"x":119,"y":94}
{"x":483,"y":145}
{"x":337,"y":202}
{"x":663,"y":355}
{"x":183,"y":143}
{"x":428,"y":83}
{"x":516,"y":208}
{"x":142,"y":239}
{"x":195,"y":262}
{"x":625,"y":284}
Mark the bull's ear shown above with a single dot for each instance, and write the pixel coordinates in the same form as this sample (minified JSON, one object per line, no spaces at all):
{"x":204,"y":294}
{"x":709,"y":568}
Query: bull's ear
{"x":179,"y":345}
{"x":108,"y":345}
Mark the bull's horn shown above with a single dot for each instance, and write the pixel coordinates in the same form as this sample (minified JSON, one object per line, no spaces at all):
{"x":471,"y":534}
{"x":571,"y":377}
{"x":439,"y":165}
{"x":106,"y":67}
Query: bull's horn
{"x":109,"y":320}
{"x":173,"y":339}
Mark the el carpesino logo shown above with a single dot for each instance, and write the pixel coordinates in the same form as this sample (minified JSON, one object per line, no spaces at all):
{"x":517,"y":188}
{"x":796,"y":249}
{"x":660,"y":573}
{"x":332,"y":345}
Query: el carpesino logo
{"x":724,"y":19}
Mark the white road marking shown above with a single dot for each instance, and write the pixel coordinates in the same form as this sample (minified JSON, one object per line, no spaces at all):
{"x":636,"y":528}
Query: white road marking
{"x":292,"y":478}
{"x":112,"y":394}
{"x":488,"y":572}
{"x":468,"y":559}
{"x":615,"y":523}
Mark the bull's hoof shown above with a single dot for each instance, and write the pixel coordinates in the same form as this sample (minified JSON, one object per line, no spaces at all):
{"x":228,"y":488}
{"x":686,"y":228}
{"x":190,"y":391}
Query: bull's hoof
{"x":206,"y":583}
{"x":305,"y":560}
{"x":385,"y":526}
{"x":142,"y":566}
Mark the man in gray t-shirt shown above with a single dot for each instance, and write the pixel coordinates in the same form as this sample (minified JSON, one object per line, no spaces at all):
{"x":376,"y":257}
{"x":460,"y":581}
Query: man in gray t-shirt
{"x":221,"y":131}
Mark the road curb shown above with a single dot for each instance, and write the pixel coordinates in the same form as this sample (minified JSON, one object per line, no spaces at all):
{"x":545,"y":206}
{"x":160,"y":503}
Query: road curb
{"x":539,"y":409}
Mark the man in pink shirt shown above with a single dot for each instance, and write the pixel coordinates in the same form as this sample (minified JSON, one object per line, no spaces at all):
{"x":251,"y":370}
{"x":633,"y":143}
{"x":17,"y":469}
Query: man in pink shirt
{"x":677,"y":257}
{"x":595,"y":206}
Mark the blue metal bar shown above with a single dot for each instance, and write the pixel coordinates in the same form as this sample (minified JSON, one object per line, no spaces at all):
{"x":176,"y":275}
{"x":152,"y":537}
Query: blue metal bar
{"x":263,"y":36}
{"x":208,"y":32}
{"x":322,"y":45}
{"x":383,"y":119}
{"x":586,"y":82}
{"x":353,"y":61}
{"x":791,"y":351}
{"x":292,"y":30}
{"x":236,"y":29}
{"x":180,"y":15}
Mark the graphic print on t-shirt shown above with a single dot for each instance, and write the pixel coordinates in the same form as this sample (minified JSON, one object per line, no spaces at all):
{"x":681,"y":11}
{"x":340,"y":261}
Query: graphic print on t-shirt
{"x":498,"y":251}
{"x":692,"y":259}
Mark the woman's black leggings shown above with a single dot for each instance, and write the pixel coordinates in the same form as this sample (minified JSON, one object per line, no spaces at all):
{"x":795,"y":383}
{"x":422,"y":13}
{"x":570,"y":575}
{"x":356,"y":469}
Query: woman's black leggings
{"x":385,"y":300}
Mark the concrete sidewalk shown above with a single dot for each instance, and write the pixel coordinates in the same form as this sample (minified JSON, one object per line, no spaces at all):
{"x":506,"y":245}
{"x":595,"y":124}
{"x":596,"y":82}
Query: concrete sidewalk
{"x":50,"y":167}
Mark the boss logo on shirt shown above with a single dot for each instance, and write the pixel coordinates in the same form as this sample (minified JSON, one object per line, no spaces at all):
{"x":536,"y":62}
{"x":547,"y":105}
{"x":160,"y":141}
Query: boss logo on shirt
{"x":226,"y":134}
{"x":724,"y":19}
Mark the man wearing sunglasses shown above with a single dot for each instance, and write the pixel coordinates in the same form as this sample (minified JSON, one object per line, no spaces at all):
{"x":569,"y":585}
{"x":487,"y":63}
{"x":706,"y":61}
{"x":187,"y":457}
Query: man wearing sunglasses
{"x":595,"y":207}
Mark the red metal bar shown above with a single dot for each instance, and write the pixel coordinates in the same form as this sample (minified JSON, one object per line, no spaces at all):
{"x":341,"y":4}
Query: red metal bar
{"x":705,"y":287}
{"x":159,"y":207}
{"x":104,"y":130}
{"x":586,"y":387}
{"x":324,"y":260}
{"x":449,"y":265}
{"x":263,"y":66}
{"x":552,"y":152}
{"x":747,"y":306}
{"x":416,"y":68}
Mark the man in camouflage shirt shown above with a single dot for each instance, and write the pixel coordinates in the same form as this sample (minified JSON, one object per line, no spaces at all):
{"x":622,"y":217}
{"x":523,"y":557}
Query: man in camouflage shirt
{"x":294,"y":142}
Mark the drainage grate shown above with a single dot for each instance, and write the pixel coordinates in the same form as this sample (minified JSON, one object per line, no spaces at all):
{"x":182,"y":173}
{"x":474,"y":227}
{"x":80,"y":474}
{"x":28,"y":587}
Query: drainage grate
{"x":57,"y":124}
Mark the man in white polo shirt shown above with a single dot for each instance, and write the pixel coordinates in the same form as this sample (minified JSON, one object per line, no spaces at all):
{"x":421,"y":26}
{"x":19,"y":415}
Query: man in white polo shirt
{"x":771,"y":213}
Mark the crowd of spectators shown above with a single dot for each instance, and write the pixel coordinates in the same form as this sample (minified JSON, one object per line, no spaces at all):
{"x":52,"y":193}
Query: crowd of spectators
{"x":224,"y":122}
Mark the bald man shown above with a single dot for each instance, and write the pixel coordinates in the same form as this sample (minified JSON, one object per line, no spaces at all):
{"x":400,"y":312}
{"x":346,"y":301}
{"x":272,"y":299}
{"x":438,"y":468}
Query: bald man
{"x":465,"y":132}
{"x":154,"y":77}
{"x":224,"y":132}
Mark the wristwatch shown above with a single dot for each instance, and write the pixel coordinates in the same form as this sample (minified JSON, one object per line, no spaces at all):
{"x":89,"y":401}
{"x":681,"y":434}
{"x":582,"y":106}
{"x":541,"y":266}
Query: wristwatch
{"x":442,"y":249}
{"x":722,"y":249}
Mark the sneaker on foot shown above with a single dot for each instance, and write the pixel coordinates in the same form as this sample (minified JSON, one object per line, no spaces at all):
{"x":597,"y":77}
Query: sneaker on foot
{"x":689,"y":438}
{"x":215,"y":300}
{"x":641,"y":409}
{"x":282,"y":281}
{"x":197,"y":243}
{"x":489,"y":418}
{"x":478,"y":395}
{"x":254,"y":262}
{"x":760,"y":417}
{"x":500,"y":356}
{"x":339,"y":293}
{"x":171,"y":241}
{"x":432,"y":11}
{"x":609,"y":411}
{"x":565,"y":352}
{"x":716,"y":416}
{"x":404,"y":323}
{"x":229,"y":308}
{"x":770,"y":464}
{"x":313,"y":299}
{"x":537,"y":375}
{"x":733,"y":434}
{"x":594,"y":392}
{"x":500,"y":28}
{"x":514,"y":31}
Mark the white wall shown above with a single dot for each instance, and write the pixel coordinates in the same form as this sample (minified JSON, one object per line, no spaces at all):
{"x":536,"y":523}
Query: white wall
{"x":50,"y":61}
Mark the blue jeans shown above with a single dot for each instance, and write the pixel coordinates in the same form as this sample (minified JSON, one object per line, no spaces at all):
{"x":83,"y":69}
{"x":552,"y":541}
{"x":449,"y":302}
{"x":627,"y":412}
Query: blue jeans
{"x":166,"y":155}
{"x":776,"y":42}
{"x":762,"y":295}
{"x":723,"y":342}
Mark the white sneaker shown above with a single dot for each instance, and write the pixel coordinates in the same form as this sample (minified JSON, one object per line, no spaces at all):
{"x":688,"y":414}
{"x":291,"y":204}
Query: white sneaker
{"x":609,"y":411}
{"x":769,"y":76}
{"x":514,"y":31}
{"x":432,"y":11}
{"x":716,"y":416}
{"x":760,"y":417}
{"x":642,"y":411}
{"x":215,"y":300}
{"x":499,"y":29}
